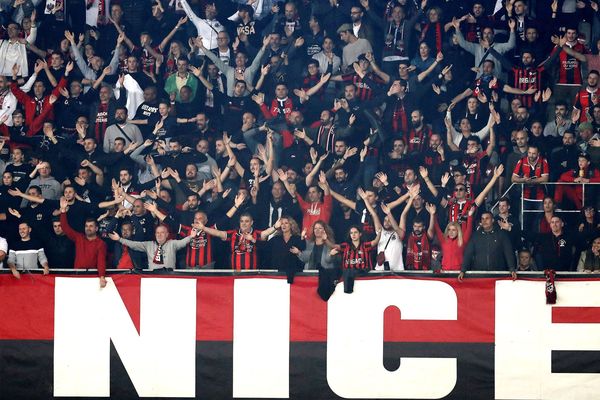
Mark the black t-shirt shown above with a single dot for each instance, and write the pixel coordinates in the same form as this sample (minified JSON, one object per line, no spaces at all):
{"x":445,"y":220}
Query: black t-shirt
{"x":20,"y":174}
{"x":40,"y":216}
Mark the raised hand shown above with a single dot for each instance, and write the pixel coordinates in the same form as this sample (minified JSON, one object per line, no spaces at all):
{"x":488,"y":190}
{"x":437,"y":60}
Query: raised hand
{"x":14,"y":213}
{"x":382,"y":176}
{"x":16,"y":192}
{"x":282,"y":175}
{"x":445,"y":179}
{"x":498,"y":171}
{"x":114,"y":236}
{"x":361,"y":193}
{"x":150,"y":207}
{"x":323,"y":179}
{"x":386,"y":210}
{"x":239,"y":199}
{"x":431,"y":208}
{"x":259,"y":98}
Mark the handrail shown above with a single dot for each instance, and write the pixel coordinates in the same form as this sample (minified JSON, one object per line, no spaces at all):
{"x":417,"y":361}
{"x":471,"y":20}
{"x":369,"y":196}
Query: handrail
{"x":271,"y":272}
{"x":522,"y":199}
{"x":501,"y":196}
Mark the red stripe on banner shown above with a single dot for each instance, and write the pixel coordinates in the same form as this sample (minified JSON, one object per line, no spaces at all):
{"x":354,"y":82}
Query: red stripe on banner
{"x":27,"y":310}
{"x":214,"y":308}
{"x":308,"y":312}
{"x":575,"y":315}
{"x":27,"y":307}
{"x":128,"y":287}
{"x":475,"y":323}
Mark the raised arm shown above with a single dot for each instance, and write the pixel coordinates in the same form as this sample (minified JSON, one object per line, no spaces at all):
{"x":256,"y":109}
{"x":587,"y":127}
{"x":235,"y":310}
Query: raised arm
{"x":492,"y":144}
{"x":16,"y":192}
{"x":431,"y":68}
{"x":403,"y":216}
{"x":198,"y":74}
{"x":211,"y":56}
{"x":190,"y":14}
{"x":238,"y":167}
{"x":432,"y":220}
{"x":392,"y":220}
{"x":264,"y":235}
{"x":311,"y":175}
{"x":573,"y":53}
{"x":182,"y":21}
{"x":468,"y":46}
{"x":398,"y":201}
{"x":434,"y":191}
{"x":497,"y":174}
{"x":347,"y":202}
{"x":372,"y":212}
{"x":213,"y":232}
{"x":324,"y":79}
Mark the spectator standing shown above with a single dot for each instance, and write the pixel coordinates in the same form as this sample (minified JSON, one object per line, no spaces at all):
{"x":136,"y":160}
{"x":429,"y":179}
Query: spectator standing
{"x":161,"y":251}
{"x":488,"y":250}
{"x":26,"y":253}
{"x":90,"y":249}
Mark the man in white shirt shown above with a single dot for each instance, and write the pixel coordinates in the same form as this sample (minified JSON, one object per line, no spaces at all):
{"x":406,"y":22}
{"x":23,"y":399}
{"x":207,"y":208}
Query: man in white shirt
{"x":8,"y":102}
{"x":209,"y":27}
{"x":14,"y":51}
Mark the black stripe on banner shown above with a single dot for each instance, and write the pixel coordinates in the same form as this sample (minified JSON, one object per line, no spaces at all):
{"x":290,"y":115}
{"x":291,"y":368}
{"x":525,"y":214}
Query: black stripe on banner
{"x":26,"y":369}
{"x":575,"y":362}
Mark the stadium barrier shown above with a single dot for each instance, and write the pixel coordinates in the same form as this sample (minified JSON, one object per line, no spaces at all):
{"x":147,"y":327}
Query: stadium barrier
{"x":218,"y":335}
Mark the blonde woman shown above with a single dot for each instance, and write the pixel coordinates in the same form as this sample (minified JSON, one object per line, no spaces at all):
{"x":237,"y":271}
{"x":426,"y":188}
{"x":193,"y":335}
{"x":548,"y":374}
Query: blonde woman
{"x":176,"y":52}
{"x":280,"y":245}
{"x":453,"y":240}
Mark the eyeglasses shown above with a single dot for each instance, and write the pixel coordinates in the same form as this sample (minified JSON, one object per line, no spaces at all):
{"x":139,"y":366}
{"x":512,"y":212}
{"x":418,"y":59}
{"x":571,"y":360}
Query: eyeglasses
{"x":460,"y":189}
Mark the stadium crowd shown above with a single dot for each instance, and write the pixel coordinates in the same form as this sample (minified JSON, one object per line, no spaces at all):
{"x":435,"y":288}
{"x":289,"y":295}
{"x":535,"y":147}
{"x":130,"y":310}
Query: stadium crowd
{"x":335,"y":135}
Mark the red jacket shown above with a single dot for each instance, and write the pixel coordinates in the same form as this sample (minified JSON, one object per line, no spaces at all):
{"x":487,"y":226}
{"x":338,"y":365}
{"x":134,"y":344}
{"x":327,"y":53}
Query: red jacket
{"x":312,"y":212}
{"x":452,"y":253}
{"x":574,"y":192}
{"x":28,"y":102}
{"x":88,"y":253}
{"x":274,"y":110}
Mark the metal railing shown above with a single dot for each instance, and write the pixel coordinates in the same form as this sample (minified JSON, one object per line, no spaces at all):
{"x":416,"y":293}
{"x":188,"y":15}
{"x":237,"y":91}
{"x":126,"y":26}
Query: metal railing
{"x":275,"y":273}
{"x":523,"y":201}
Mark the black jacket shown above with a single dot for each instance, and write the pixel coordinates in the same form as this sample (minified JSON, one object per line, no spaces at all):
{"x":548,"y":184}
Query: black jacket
{"x":489,"y":251}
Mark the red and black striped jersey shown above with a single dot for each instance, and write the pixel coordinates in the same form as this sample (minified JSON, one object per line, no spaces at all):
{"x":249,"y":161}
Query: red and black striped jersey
{"x":458,"y":210}
{"x":416,"y":140}
{"x":399,"y":117}
{"x":199,"y":250}
{"x":569,"y":68}
{"x":243,"y":252}
{"x":364,"y":92}
{"x":525,"y":78}
{"x":585,"y":100}
{"x":357,"y":257}
{"x":524,"y":169}
{"x":312,"y":80}
{"x":475,"y":165}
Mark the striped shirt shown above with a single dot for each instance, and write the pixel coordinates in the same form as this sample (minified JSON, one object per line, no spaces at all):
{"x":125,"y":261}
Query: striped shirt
{"x":243,"y":252}
{"x":357,"y":257}
{"x":26,"y":254}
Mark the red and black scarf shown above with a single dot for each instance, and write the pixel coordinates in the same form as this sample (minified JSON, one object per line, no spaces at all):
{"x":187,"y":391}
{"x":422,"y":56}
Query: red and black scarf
{"x":418,"y":257}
